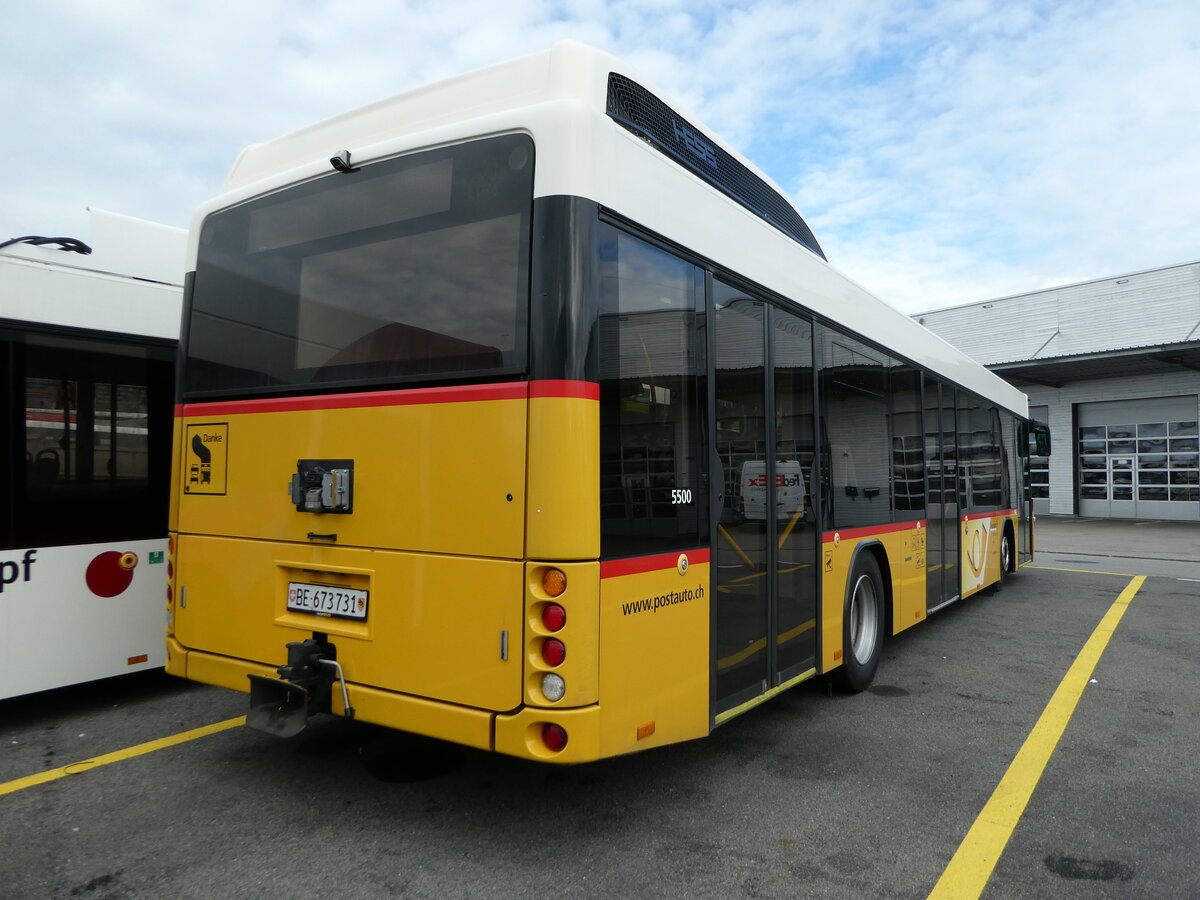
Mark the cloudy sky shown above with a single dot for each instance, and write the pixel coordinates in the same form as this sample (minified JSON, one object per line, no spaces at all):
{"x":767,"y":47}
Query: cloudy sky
{"x":942,"y":152}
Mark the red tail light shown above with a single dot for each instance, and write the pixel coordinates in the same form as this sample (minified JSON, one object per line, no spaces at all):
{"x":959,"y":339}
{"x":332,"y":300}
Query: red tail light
{"x":554,"y":617}
{"x":554,"y":651}
{"x":554,"y":737}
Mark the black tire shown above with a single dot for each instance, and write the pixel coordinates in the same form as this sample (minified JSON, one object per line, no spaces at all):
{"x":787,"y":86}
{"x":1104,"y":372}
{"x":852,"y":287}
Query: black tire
{"x":862,"y":625}
{"x":1006,"y":557}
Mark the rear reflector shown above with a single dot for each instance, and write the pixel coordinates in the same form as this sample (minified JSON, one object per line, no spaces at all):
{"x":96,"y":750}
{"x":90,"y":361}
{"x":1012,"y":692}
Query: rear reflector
{"x":554,"y":651}
{"x":554,"y":737}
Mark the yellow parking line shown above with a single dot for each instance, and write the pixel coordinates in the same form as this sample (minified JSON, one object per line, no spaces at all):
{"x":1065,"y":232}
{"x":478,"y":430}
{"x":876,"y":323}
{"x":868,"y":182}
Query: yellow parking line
{"x":761,"y":644}
{"x":742,"y":655}
{"x":792,"y":633}
{"x":87,"y":765}
{"x":790,"y":525}
{"x":1079,"y":571}
{"x":737,"y":549}
{"x":788,"y":571}
{"x":967,"y":874}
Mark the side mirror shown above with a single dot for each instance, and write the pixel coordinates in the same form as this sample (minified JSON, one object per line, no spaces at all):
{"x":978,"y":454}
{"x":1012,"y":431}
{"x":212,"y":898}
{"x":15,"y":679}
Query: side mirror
{"x":1039,"y":439}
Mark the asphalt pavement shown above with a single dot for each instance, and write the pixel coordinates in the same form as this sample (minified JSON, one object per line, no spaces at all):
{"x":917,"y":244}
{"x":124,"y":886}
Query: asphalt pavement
{"x":1121,"y":538}
{"x":1134,"y":546}
{"x":814,"y":794}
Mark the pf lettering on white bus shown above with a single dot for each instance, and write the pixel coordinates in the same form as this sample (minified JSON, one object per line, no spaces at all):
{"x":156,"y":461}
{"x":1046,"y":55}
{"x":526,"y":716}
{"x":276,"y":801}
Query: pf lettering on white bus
{"x":10,"y":569}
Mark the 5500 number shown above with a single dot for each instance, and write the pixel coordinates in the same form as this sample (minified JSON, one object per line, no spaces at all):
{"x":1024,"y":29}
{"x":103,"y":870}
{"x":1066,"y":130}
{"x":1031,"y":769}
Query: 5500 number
{"x":681,"y":495}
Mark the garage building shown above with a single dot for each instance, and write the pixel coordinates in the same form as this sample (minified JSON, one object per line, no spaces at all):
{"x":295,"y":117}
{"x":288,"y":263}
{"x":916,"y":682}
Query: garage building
{"x":1113,"y":366}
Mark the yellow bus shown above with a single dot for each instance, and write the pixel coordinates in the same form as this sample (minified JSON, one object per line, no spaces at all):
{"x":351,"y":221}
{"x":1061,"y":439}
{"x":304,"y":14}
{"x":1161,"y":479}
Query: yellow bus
{"x":470,"y":379}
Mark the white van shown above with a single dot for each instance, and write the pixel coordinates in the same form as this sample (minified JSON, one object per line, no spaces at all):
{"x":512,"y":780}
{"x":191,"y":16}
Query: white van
{"x":789,"y":485}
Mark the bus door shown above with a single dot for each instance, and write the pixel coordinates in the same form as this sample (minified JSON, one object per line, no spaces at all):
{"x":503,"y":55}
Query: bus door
{"x":764,"y":530}
{"x":942,"y":509}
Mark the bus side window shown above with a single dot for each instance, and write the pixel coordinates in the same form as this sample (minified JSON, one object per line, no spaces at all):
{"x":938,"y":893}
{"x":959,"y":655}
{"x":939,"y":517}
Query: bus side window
{"x":854,"y":385}
{"x":908,"y":445}
{"x":650,"y":491}
{"x":96,"y":429}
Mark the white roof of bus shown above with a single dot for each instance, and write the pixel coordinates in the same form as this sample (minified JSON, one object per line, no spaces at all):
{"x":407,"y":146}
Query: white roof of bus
{"x":559,"y":96}
{"x":130,"y":283}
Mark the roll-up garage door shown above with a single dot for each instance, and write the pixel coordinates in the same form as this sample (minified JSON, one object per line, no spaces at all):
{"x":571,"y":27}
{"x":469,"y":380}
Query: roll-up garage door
{"x":1139,"y":458}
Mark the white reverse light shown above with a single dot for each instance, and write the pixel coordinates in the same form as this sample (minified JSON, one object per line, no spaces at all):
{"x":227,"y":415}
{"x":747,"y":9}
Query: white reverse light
{"x":553,"y":687}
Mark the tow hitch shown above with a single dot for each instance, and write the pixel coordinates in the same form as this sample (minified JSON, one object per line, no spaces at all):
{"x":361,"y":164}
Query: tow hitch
{"x":282,"y":706}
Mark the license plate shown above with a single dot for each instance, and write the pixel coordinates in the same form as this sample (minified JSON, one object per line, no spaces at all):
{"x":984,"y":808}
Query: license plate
{"x":323,"y":600}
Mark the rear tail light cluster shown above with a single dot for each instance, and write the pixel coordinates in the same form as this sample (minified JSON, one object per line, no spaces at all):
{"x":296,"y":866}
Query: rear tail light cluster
{"x":548,"y":650}
{"x":170,"y":585}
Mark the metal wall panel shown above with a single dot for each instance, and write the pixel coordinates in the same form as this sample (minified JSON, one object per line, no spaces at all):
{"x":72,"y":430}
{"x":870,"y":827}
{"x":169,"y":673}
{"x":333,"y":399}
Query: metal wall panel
{"x":1144,"y":309}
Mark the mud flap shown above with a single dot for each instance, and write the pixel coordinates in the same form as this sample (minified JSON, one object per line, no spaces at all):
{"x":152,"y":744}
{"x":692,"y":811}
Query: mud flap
{"x":277,"y":707}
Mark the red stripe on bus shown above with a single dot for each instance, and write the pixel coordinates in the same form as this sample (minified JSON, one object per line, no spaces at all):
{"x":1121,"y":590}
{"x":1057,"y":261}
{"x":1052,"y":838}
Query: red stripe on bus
{"x":639,"y":565}
{"x":579,"y":390}
{"x":989,"y":515}
{"x":849,"y":534}
{"x":512,"y":390}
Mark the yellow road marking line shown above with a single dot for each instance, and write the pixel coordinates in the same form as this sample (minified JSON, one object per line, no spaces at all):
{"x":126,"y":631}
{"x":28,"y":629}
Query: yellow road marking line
{"x":742,"y":655}
{"x":792,"y":633}
{"x":736,"y":549}
{"x":967,"y":874}
{"x":745,"y":578}
{"x":761,"y":644}
{"x":87,"y":765}
{"x":1081,"y":571}
{"x":790,"y":525}
{"x":791,"y":569}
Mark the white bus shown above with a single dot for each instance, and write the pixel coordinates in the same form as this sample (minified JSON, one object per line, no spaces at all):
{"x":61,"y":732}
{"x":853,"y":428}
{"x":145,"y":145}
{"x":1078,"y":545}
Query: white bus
{"x":87,"y":350}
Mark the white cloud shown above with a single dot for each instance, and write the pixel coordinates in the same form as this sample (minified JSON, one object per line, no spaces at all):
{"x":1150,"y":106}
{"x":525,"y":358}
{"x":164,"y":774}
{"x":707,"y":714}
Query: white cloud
{"x":943,"y":152}
{"x":1047,"y":144}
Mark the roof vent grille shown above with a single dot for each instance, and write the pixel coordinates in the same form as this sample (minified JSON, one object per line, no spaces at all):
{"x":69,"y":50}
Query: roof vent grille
{"x":638,"y":110}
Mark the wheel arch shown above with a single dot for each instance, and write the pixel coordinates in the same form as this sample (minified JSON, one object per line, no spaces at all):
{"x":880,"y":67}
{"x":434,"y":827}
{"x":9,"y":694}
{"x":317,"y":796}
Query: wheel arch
{"x":876,"y":549}
{"x":1011,"y":533}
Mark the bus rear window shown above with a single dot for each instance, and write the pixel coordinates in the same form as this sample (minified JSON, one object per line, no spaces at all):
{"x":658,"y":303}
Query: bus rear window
{"x":408,"y":270}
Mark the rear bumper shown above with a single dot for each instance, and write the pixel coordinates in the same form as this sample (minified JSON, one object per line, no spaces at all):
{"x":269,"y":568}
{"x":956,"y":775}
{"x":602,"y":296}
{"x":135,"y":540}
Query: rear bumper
{"x":444,"y":721}
{"x":515,"y":734}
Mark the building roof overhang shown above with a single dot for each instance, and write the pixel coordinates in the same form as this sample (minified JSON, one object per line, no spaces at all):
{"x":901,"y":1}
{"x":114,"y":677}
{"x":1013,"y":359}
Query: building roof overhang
{"x":1059,"y":371}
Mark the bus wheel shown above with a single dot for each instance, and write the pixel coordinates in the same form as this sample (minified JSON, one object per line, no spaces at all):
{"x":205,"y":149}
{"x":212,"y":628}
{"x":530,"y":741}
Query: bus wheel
{"x":862,"y":625}
{"x":1006,"y":557}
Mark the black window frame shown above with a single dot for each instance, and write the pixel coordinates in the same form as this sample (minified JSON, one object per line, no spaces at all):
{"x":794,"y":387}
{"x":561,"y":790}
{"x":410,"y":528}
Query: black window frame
{"x":103,"y":508}
{"x":465,"y":200}
{"x":641,"y":536}
{"x":893,"y":363}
